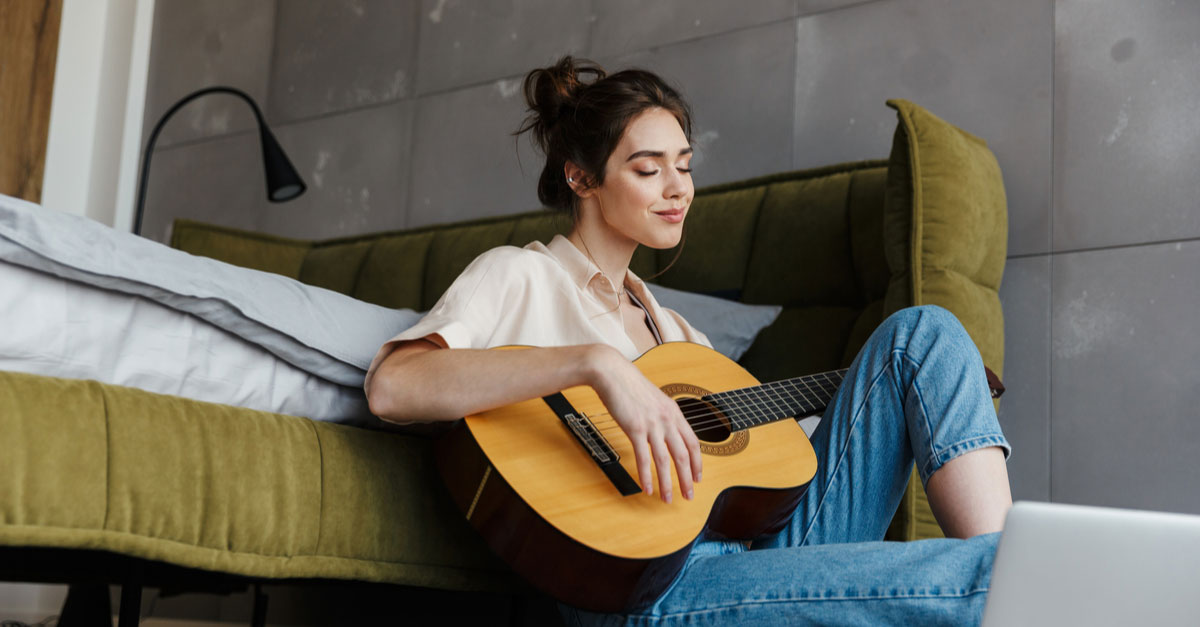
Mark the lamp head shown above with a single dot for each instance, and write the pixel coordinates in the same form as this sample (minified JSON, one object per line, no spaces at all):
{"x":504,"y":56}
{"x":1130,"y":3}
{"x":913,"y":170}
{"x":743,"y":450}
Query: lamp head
{"x":283,"y":183}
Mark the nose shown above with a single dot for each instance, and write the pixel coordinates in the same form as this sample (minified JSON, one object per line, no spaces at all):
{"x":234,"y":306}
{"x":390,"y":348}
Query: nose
{"x":678,"y":185}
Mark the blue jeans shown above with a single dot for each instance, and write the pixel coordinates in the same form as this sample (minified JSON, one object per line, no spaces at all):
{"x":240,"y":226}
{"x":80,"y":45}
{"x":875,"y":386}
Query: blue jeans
{"x":915,"y":393}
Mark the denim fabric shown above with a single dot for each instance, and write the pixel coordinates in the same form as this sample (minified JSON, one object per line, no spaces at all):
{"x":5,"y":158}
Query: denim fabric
{"x":916,"y":392}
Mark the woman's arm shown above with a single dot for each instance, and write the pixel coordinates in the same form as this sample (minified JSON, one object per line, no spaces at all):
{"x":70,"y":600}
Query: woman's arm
{"x":421,"y":381}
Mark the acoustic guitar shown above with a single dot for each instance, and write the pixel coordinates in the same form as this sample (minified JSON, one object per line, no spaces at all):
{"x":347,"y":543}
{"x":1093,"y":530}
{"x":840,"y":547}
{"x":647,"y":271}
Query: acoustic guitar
{"x":549,"y":482}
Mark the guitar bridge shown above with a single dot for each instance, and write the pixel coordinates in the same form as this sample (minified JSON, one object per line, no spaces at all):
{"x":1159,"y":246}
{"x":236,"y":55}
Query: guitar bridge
{"x":594,"y":443}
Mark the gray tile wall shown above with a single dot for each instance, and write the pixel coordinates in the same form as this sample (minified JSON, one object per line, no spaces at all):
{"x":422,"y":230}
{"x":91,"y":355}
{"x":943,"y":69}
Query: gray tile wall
{"x":398,"y":113}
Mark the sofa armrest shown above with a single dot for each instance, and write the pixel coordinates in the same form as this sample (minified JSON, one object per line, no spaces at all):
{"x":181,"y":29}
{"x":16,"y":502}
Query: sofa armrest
{"x":946,"y":226}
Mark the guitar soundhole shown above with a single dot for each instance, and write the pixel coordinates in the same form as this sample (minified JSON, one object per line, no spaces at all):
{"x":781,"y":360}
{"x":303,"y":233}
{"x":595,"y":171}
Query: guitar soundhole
{"x":709,"y":424}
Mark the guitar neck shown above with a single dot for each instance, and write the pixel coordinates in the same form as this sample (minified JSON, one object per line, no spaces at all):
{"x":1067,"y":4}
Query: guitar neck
{"x":789,"y":398}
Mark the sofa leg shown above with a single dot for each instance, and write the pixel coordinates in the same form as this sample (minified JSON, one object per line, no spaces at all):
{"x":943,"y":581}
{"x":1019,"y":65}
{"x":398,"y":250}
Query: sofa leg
{"x":131,"y":597}
{"x":87,"y":605}
{"x":259,"y":616}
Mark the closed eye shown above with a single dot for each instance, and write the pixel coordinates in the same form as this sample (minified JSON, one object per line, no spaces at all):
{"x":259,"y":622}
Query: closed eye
{"x":684,"y":170}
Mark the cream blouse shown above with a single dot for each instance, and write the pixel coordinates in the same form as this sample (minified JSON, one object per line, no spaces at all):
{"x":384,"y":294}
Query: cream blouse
{"x":539,"y":295}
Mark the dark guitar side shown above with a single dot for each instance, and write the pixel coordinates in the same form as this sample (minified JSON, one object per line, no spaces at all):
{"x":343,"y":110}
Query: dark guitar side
{"x":573,"y":572}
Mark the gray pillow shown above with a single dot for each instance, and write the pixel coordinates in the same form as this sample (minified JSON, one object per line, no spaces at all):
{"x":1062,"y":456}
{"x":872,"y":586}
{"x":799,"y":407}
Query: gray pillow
{"x":320,"y":331}
{"x":730,"y":326}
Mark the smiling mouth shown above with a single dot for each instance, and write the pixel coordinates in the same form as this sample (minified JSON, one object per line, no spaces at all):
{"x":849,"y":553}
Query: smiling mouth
{"x":672,"y":215}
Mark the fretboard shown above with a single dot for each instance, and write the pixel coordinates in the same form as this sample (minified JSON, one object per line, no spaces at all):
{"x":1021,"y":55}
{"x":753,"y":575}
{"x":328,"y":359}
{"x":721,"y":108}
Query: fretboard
{"x":790,"y":398}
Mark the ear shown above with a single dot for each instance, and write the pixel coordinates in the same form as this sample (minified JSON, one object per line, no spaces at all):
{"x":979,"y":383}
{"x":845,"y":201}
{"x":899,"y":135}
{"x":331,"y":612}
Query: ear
{"x":578,"y":179}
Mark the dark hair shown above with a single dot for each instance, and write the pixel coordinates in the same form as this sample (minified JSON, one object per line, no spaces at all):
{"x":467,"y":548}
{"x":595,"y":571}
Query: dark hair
{"x":582,"y":122}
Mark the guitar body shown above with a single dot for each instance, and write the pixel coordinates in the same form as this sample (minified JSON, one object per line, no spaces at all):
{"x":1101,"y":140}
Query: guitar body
{"x":529,"y":486}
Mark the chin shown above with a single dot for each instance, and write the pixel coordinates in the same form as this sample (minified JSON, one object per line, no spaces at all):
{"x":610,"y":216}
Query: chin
{"x":663,"y":241}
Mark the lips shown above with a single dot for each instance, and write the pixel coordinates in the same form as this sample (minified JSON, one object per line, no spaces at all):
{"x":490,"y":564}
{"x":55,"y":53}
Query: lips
{"x":672,"y":215}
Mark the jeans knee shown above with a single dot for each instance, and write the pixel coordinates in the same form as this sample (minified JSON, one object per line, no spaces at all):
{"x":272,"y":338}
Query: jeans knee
{"x":933,"y":319}
{"x":910,"y":317}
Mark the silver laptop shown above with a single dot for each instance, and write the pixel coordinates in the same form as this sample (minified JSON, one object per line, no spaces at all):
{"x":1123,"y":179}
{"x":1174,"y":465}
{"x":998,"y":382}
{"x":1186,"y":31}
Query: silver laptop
{"x":1075,"y":565}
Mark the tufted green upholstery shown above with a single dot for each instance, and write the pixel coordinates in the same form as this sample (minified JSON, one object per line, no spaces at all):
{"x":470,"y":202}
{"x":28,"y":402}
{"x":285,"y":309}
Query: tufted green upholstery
{"x":809,"y":240}
{"x":840,"y":247}
{"x":92,"y":466}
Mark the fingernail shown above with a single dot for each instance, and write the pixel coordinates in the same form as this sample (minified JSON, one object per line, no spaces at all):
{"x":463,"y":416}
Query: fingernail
{"x":690,"y":494}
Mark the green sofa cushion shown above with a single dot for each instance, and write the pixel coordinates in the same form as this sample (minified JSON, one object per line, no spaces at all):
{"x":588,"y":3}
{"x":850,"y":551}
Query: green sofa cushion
{"x":220,"y":488}
{"x":269,"y":253}
{"x":945,"y":234}
{"x":946,"y":225}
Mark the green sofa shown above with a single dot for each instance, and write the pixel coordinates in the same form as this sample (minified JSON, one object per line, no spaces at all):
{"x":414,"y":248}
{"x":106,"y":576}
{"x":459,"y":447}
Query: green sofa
{"x":257,"y":495}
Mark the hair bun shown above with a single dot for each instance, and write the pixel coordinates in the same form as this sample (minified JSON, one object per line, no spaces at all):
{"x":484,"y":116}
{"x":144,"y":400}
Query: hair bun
{"x":552,"y":93}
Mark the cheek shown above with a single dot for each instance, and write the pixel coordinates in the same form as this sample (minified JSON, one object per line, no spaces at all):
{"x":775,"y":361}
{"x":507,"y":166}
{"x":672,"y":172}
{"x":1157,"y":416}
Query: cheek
{"x":634,"y":196}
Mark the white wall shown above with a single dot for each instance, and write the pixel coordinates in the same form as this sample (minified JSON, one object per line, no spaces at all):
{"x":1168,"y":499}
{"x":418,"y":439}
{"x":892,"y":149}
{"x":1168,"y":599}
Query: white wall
{"x":96,"y":111}
{"x":91,"y":155}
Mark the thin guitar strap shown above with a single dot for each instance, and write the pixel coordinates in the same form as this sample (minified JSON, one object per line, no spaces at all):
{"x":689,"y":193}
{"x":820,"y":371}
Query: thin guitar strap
{"x":649,"y":318}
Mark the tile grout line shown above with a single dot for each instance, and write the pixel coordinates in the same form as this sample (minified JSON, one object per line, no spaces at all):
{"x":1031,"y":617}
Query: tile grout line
{"x":1050,"y":277}
{"x":415,"y":70}
{"x":795,"y":85}
{"x":272,"y":57}
{"x":416,"y":95}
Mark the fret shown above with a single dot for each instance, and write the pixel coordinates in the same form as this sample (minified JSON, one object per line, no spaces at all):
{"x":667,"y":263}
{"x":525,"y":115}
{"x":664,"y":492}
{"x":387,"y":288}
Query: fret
{"x":737,"y":408}
{"x":796,"y":401}
{"x":722,"y":401}
{"x":805,"y":392}
{"x":768,"y":404}
{"x":781,"y":407}
{"x":793,"y":404}
{"x":830,"y":383}
{"x":756,"y":405}
{"x":814,"y":390}
{"x":756,"y":415}
{"x":826,"y":384}
{"x":747,"y":410}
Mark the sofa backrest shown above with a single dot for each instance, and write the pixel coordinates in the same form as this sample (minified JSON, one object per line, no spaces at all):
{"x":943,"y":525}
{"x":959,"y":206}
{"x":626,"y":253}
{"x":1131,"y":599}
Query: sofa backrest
{"x":809,"y":240}
{"x":840,"y":247}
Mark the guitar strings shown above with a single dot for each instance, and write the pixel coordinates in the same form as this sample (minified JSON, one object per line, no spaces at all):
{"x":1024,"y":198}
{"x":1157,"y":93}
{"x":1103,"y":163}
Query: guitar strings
{"x":713,"y":420}
{"x":706,"y":417}
{"x":720,"y":418}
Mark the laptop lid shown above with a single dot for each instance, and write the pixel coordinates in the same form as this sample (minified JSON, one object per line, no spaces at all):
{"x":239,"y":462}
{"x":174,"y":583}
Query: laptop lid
{"x":1078,"y":565}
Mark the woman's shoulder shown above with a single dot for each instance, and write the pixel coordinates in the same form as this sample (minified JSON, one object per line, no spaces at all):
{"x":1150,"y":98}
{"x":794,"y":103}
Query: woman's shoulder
{"x":513,"y":264}
{"x":514,"y":258}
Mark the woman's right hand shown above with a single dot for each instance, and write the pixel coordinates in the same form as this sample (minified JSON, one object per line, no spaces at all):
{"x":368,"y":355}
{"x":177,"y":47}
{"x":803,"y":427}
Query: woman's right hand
{"x":652,"y":420}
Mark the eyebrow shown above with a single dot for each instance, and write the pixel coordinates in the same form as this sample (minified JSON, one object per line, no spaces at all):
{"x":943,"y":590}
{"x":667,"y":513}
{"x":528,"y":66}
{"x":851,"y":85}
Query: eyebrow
{"x":656,"y":153}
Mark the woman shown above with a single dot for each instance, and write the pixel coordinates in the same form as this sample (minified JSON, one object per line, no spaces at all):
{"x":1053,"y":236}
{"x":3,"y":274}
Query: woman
{"x":618,"y":159}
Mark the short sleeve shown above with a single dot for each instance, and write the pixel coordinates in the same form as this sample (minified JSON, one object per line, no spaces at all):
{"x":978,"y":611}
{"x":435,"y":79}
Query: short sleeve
{"x":466,"y":313}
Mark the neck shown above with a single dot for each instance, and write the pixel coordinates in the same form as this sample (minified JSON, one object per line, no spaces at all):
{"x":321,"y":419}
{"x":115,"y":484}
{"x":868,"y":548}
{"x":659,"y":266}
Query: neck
{"x":608,"y":249}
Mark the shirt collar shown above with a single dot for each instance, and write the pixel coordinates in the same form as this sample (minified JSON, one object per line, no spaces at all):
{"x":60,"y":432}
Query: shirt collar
{"x":583,"y":271}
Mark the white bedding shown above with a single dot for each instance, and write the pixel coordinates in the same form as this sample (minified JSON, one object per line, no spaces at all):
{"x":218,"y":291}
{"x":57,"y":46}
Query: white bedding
{"x":81,"y":300}
{"x":317,"y":330}
{"x":56,"y":327}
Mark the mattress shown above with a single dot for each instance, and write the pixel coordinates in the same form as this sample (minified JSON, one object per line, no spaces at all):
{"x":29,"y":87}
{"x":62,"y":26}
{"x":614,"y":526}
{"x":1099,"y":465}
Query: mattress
{"x":63,"y":328}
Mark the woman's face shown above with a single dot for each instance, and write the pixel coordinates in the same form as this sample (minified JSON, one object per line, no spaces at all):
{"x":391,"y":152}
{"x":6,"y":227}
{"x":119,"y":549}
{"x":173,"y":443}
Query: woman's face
{"x":648,"y":182}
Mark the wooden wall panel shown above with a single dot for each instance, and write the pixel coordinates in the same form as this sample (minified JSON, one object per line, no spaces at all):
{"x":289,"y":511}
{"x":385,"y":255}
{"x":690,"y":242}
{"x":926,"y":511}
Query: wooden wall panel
{"x":28,"y":49}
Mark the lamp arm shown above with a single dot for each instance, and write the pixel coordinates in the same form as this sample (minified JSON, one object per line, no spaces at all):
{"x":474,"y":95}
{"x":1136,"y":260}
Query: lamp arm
{"x":145,"y":172}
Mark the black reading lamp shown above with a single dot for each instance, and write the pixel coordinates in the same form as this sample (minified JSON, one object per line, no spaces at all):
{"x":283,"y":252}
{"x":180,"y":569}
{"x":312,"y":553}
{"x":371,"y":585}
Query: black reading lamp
{"x":283,"y":183}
